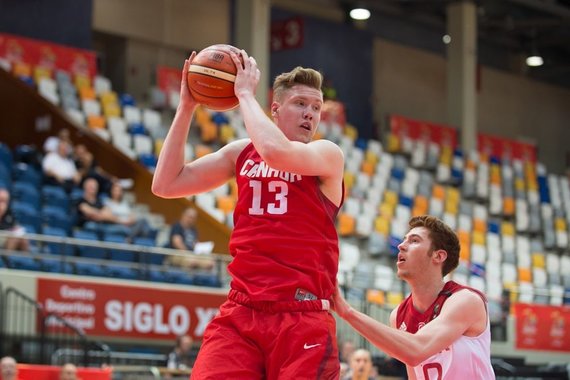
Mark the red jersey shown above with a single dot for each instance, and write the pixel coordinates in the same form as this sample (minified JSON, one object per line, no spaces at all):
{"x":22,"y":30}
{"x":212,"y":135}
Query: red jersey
{"x":284,"y":239}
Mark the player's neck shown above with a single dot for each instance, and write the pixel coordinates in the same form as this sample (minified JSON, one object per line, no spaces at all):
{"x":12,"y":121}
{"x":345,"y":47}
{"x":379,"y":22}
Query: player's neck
{"x":425,"y":293}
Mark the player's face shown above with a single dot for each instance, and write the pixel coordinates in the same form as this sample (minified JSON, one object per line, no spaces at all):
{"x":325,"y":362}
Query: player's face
{"x":298,"y":112}
{"x":414,"y":255}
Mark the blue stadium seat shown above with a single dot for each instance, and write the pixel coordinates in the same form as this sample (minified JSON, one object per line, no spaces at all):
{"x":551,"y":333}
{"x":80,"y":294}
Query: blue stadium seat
{"x":119,"y":254}
{"x":57,"y":248}
{"x":127,"y":100}
{"x":56,"y":216}
{"x":6,"y":156}
{"x":89,"y":251}
{"x":207,"y":279}
{"x":55,"y":196}
{"x":90,"y":269}
{"x":122,"y":272}
{"x":23,"y":262}
{"x":27,"y":173}
{"x":26,"y":214}
{"x":157,"y":275}
{"x":56,"y":266}
{"x":26,"y":192}
{"x":179,"y":276}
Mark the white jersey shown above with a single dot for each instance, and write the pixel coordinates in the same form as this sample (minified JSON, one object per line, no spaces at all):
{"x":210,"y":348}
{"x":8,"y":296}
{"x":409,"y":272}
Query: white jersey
{"x":466,"y":358}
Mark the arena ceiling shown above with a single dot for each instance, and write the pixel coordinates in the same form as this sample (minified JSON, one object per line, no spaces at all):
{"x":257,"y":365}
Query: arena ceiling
{"x":508,"y":28}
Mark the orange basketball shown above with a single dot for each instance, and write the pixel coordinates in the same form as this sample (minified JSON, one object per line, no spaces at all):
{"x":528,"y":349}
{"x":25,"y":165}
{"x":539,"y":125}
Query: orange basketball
{"x":211,"y":77}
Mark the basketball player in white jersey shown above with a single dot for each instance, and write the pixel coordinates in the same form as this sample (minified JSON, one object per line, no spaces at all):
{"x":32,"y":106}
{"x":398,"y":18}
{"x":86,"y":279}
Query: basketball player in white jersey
{"x":441,"y":330}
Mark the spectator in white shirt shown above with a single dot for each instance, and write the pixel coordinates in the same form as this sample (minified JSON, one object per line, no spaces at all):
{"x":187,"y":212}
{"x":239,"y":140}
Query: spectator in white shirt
{"x":59,"y":169}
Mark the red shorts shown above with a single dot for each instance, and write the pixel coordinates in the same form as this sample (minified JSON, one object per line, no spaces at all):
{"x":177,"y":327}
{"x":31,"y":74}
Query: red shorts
{"x":269,"y":340}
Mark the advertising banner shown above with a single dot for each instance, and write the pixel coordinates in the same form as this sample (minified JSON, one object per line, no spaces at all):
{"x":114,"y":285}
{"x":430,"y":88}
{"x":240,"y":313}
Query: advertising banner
{"x":440,"y":134}
{"x":126,"y":311}
{"x":47,"y":55}
{"x":501,"y":147}
{"x":542,"y":327}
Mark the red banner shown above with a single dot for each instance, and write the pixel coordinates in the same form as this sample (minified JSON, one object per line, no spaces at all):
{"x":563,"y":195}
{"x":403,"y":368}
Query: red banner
{"x":168,"y":79}
{"x":333,"y":111}
{"x":287,"y":34}
{"x":128,"y":311}
{"x":542,"y":327}
{"x":422,"y":130}
{"x":501,"y":147}
{"x":48,"y":55}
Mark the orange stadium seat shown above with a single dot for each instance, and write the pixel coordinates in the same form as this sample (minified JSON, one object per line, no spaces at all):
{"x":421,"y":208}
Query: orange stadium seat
{"x":346,"y":224}
{"x":226,"y":203}
{"x":95,"y":122}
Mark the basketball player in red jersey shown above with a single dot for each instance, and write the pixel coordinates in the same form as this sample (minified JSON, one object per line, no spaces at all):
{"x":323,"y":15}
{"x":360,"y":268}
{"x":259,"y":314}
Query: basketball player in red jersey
{"x":441,"y":331}
{"x":276,"y":323}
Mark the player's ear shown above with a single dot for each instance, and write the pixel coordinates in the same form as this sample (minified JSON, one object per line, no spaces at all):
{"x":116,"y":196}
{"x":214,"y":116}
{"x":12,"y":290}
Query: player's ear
{"x":440,"y":255}
{"x":274,"y":109}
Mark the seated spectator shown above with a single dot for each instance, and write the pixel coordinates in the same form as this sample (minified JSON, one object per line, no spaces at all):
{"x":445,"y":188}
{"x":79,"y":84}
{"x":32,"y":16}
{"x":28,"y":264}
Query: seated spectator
{"x":51,"y":143}
{"x":8,"y":368}
{"x":9,"y":223}
{"x":91,"y":213}
{"x":59,"y":168}
{"x":68,"y":372}
{"x":360,"y":366}
{"x":184,"y":236}
{"x":127,"y":223}
{"x":182,"y":357}
{"x":88,"y":167}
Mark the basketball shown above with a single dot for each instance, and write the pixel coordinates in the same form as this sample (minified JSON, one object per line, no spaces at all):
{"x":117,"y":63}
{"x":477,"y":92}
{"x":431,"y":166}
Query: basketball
{"x":211,"y":77}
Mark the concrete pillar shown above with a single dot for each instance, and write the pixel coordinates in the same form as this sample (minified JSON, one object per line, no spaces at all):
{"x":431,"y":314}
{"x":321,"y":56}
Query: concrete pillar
{"x":252,"y":33}
{"x":461,"y":71}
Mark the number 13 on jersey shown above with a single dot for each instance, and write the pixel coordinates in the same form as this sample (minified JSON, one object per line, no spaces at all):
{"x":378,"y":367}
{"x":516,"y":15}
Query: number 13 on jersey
{"x":276,"y":190}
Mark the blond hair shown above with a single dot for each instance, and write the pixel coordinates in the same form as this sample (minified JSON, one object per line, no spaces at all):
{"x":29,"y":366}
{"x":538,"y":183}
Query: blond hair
{"x":299,"y":75}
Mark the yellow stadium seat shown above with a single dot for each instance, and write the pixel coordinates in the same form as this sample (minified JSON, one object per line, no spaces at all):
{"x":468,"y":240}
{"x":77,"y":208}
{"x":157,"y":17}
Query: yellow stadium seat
{"x":158,"y":143}
{"x":226,"y":203}
{"x":201,"y":150}
{"x":525,"y":275}
{"x":81,"y":81}
{"x":111,"y":110}
{"x":451,"y":206}
{"x":382,"y":225}
{"x":375,"y":296}
{"x":394,"y":298}
{"x":470,"y":165}
{"x":371,"y":157}
{"x":393,"y":144}
{"x":21,"y":69}
{"x":519,"y":184}
{"x":41,"y":73}
{"x":453,"y":194}
{"x":538,"y":260}
{"x":86,"y":93}
{"x":226,"y":133}
{"x":438,"y":192}
{"x":391,"y":197}
{"x":495,"y":174}
{"x":508,"y":229}
{"x":368,"y":168}
{"x":96,"y":122}
{"x":109,"y":97}
{"x":464,"y":237}
{"x":560,"y":224}
{"x":386,"y":210}
{"x":465,"y":252}
{"x":346,"y":224}
{"x":478,"y":238}
{"x":479,"y":225}
{"x":351,"y":132}
{"x":233,"y":188}
{"x":508,"y":206}
{"x":209,"y":131}
{"x":349,"y":179}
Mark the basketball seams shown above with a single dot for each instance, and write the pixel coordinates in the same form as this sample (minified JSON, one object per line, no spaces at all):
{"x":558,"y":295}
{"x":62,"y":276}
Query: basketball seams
{"x":214,"y":73}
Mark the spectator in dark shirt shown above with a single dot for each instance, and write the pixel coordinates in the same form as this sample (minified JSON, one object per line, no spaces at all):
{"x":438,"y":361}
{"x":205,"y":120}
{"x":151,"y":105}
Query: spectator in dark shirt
{"x":184,"y":236}
{"x":182,"y":357}
{"x":91,"y":213}
{"x":9,"y":223}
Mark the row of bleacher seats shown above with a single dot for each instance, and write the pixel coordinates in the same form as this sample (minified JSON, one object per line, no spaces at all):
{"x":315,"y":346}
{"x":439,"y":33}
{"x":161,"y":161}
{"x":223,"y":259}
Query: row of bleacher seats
{"x":511,"y":216}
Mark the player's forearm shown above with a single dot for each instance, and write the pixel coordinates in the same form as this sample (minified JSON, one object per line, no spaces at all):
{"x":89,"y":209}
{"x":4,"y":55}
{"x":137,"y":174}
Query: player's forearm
{"x":171,"y":159}
{"x":398,"y":344}
{"x":267,"y":138}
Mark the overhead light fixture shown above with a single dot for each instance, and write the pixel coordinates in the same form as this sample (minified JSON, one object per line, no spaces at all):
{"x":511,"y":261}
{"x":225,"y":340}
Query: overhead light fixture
{"x":534,"y":60}
{"x":359,"y":14}
{"x":446,"y":39}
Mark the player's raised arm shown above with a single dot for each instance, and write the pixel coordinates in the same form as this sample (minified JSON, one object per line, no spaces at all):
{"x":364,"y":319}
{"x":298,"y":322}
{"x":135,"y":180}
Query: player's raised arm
{"x":286,"y":143}
{"x":173,"y":178}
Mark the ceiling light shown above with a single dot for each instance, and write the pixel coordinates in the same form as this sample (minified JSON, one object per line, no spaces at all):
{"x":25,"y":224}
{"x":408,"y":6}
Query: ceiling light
{"x":359,"y":14}
{"x":534,"y":60}
{"x":446,"y":39}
